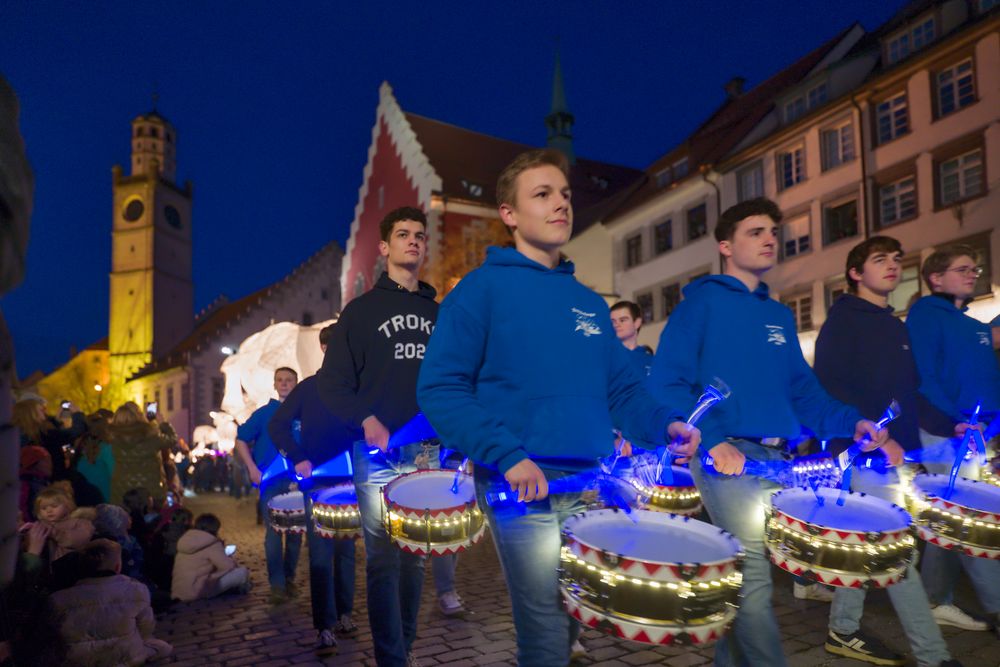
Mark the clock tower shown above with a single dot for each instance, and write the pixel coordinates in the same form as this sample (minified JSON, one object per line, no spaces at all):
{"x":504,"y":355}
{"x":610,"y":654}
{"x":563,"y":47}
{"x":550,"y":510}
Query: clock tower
{"x":152,"y":295}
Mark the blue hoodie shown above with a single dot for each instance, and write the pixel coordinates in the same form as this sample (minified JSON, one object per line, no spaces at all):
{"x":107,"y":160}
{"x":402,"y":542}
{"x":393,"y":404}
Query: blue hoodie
{"x":524,"y":363}
{"x":954,"y":354}
{"x":747,"y":339}
{"x":254,"y":432}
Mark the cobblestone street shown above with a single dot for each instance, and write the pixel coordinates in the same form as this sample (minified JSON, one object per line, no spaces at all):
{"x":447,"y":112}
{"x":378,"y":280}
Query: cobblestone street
{"x":235,"y":630}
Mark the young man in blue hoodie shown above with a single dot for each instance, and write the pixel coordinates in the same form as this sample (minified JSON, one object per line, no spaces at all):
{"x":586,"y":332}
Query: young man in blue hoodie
{"x":525,"y":376}
{"x":958,"y":369}
{"x":282,"y":555}
{"x":728,"y":327}
{"x":369,"y":380}
{"x":863,"y":358}
{"x":626,"y":318}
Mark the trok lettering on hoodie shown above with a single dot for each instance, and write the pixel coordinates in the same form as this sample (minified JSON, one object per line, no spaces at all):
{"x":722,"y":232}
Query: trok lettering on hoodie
{"x":407,"y":322}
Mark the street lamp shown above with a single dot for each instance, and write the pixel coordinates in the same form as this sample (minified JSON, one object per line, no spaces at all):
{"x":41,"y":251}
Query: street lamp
{"x":228,"y":350}
{"x":98,"y":388}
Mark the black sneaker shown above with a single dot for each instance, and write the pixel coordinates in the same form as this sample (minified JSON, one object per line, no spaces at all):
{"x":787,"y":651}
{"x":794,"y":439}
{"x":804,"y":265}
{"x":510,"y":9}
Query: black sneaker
{"x":326,"y":643}
{"x":860,"y":646}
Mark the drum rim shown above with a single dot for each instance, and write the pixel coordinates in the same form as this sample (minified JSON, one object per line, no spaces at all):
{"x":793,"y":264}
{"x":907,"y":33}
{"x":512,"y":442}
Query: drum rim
{"x":736,"y":558}
{"x":314,"y":496}
{"x":934,"y":499}
{"x":861,"y":534}
{"x":421,"y":512}
{"x":287,"y":494}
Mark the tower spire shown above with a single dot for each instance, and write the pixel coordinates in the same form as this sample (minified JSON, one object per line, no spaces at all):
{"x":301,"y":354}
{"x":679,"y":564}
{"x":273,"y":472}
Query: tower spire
{"x":560,"y":121}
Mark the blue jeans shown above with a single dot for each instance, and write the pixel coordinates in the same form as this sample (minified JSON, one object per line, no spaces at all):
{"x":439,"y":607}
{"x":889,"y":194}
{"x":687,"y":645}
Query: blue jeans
{"x":282,"y":559}
{"x":908,"y":596}
{"x":395,"y":577}
{"x":942,"y":567}
{"x":443,"y":568}
{"x":737,"y":505}
{"x":331,"y":573}
{"x":528,"y":540}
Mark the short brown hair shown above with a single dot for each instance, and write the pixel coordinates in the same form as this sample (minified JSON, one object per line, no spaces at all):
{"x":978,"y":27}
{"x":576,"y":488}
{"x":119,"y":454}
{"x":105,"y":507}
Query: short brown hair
{"x":860,"y":253}
{"x":633,"y":308}
{"x":941,"y":259}
{"x":287,"y":370}
{"x":398,"y":215}
{"x":101,"y":555}
{"x":326,"y":334}
{"x":734,"y":215}
{"x":507,"y":181}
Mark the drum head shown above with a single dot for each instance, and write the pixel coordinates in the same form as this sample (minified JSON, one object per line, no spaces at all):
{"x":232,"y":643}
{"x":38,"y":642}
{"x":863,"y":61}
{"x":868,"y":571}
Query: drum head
{"x":656,"y":538}
{"x":342,"y":494}
{"x":967,"y":493}
{"x":431,"y":490}
{"x":288,"y":502}
{"x":859,"y":513}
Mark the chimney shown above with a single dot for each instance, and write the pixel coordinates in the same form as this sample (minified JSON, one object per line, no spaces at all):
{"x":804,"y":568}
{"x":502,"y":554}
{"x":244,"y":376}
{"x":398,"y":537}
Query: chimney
{"x":734,"y":89}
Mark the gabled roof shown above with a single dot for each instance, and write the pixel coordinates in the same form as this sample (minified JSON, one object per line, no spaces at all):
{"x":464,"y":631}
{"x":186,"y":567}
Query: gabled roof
{"x":732,"y":121}
{"x":469,"y":162}
{"x":213,"y":325}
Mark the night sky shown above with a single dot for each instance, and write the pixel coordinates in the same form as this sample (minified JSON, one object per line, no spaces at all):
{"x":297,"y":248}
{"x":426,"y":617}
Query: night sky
{"x":274,"y":105}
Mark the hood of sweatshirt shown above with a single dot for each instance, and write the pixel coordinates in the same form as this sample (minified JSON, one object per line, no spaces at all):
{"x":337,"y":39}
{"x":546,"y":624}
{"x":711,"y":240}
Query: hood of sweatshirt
{"x":194,"y":540}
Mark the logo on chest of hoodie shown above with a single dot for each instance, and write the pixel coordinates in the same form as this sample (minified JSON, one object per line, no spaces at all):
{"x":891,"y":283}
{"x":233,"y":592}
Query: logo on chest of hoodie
{"x":775,"y":334}
{"x":984,"y":338}
{"x":585,"y":323}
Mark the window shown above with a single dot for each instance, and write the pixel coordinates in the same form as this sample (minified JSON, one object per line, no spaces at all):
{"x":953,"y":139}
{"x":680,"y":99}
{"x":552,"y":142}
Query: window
{"x":663,"y":237}
{"x":897,"y":201}
{"x":750,"y":182}
{"x":908,"y":290}
{"x":324,"y":294}
{"x":645,"y":303}
{"x":170,"y":398}
{"x":154,"y":132}
{"x":798,"y":106}
{"x":185,"y":396}
{"x":961,"y":177}
{"x":664,"y":178}
{"x":893,"y":118}
{"x":791,"y":166}
{"x":217,"y":392}
{"x":795,"y":109}
{"x":697,"y":222}
{"x":816,"y":96}
{"x":680,"y":169}
{"x":840,"y":221}
{"x":833,"y":292}
{"x":307,"y":319}
{"x":671,"y":297}
{"x":633,"y":251}
{"x":801,"y":307}
{"x":912,"y":40}
{"x":795,"y":236}
{"x":955,"y":88}
{"x":837,"y":144}
{"x":156,"y":397}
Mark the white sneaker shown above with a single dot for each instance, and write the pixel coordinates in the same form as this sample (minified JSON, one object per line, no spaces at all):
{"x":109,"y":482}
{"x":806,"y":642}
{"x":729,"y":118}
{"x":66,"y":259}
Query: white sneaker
{"x":450,"y":603}
{"x":817,"y":592}
{"x":949,"y":614}
{"x":577,"y":651}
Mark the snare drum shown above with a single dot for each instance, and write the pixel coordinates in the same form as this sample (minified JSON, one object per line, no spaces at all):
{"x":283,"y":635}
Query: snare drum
{"x":681,"y":497}
{"x":666,"y":579}
{"x":867,"y":541}
{"x":335,"y":512}
{"x":969,"y":521}
{"x":287,"y":513}
{"x":423,"y":516}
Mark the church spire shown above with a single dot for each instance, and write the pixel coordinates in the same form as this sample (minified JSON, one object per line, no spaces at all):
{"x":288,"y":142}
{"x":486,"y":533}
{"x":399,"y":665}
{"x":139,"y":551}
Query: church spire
{"x":560,"y":121}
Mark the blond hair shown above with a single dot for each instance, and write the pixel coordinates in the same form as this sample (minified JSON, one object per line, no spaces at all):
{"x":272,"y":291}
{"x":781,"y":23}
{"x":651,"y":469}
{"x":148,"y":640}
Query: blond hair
{"x":507,"y":181}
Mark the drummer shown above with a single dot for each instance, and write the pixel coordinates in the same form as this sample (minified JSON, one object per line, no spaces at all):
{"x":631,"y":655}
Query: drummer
{"x":525,"y":375}
{"x":321,"y":437}
{"x":727,"y":326}
{"x":369,"y":380}
{"x":282,"y":557}
{"x":863,"y":358}
{"x":958,"y":369}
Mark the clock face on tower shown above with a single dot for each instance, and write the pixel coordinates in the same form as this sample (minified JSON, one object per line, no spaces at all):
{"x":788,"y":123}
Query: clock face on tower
{"x":173,"y":217}
{"x":133,"y":210}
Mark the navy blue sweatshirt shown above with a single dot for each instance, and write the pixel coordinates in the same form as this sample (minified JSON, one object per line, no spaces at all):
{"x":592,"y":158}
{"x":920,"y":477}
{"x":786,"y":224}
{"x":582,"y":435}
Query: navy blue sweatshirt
{"x":372,"y":362}
{"x":323,"y":435}
{"x":863,"y":358}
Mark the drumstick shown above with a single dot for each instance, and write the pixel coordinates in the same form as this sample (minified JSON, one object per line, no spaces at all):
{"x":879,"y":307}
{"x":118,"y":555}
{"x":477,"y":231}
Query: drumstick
{"x":971,"y":434}
{"x":716,"y":392}
{"x":458,"y":474}
{"x":846,"y":458}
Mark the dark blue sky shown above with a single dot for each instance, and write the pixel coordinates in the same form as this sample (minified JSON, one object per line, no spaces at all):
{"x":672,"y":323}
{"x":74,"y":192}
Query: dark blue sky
{"x":274,"y":104}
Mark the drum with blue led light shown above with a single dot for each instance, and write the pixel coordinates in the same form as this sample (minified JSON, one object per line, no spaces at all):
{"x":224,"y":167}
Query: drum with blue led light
{"x":427,"y":513}
{"x":335,"y":512}
{"x":967,"y":520}
{"x":287,"y":513}
{"x":679,"y":497}
{"x":865,"y":541}
{"x":650,"y":577}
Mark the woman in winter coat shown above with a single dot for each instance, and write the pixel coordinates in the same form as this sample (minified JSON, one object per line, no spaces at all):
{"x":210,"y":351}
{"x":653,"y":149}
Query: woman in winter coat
{"x":137,"y":445}
{"x":37,"y":428}
{"x":202,"y":569}
{"x":94,"y":459}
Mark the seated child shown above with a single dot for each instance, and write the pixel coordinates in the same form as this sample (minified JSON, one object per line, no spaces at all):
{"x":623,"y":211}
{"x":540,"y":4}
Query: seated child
{"x":202,"y":569}
{"x":138,"y":502}
{"x":112,"y":522}
{"x":164,"y":546}
{"x":53,"y":507}
{"x":105,"y":618}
